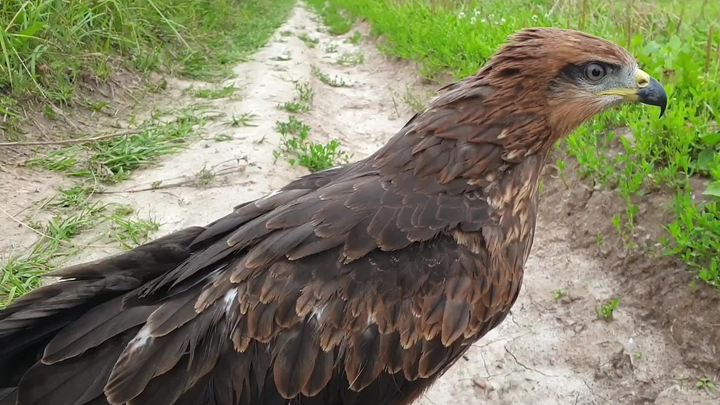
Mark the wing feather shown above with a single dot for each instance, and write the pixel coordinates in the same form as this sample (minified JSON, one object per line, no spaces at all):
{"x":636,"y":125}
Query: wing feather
{"x":76,"y":380}
{"x":92,"y":329}
{"x":321,"y":374}
{"x":295,"y":361}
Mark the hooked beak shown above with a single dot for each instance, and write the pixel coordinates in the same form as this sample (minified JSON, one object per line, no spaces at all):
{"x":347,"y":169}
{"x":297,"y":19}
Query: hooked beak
{"x":650,"y":91}
{"x":647,"y":91}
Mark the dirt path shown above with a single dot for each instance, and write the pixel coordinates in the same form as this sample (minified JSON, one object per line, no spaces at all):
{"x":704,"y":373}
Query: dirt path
{"x":550,"y":351}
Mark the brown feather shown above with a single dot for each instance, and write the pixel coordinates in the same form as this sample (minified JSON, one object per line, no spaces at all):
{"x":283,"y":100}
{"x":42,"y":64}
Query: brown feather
{"x":94,"y":328}
{"x":363,"y":360}
{"x":331,"y":337}
{"x":455,"y":320}
{"x":261,"y":321}
{"x":314,"y":245}
{"x":321,"y":374}
{"x":433,"y":357}
{"x":172,"y":314}
{"x":285,"y":315}
{"x":459,"y":288}
{"x":166,"y":388}
{"x":391,"y":352}
{"x":76,"y":380}
{"x":358,"y":242}
{"x":411,"y":361}
{"x":433,"y":308}
{"x":295,"y":361}
{"x":277,"y":245}
{"x":305,"y":303}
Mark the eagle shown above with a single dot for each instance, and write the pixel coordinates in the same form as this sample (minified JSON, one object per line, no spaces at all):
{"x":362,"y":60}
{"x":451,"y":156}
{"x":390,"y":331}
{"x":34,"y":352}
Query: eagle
{"x":361,"y":284}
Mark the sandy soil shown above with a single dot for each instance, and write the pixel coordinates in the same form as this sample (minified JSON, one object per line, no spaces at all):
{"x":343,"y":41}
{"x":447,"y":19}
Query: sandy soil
{"x":549,"y":351}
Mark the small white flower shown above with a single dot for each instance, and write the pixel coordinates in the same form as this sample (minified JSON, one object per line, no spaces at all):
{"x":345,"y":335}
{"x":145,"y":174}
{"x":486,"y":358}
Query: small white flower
{"x":461,"y":15}
{"x":472,"y":20}
{"x":476,"y":12}
{"x":491,"y":15}
{"x":535,"y":17}
{"x":483,"y":21}
{"x":502,"y":21}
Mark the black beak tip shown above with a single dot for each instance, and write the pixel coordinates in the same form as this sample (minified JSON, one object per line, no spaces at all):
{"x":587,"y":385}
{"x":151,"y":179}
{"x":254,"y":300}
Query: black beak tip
{"x":654,"y":94}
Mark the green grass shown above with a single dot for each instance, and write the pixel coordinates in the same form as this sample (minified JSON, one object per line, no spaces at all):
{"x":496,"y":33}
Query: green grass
{"x":205,"y":176}
{"x":336,"y":81}
{"x":416,"y":102}
{"x":130,"y":232}
{"x":21,"y":273}
{"x":297,"y":148}
{"x":356,"y":38}
{"x":337,"y":20}
{"x":672,"y":40}
{"x":706,"y":384}
{"x":351,"y":59}
{"x":48,"y":48}
{"x":74,"y":196}
{"x":309,"y":41}
{"x":112,"y":161}
{"x":303,"y":100}
{"x":73,"y":214}
{"x":607,"y":309}
{"x":212,"y":94}
{"x":244,"y":120}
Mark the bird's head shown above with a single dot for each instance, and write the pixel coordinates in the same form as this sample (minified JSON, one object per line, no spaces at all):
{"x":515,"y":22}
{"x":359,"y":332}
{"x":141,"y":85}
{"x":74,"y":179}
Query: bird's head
{"x":577,"y":75}
{"x":538,"y":88}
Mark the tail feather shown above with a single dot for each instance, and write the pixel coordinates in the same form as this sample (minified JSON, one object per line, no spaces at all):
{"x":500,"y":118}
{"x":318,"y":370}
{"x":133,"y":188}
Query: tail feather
{"x":33,"y":320}
{"x":8,"y":396}
{"x":69,"y":379}
{"x":93,"y":328}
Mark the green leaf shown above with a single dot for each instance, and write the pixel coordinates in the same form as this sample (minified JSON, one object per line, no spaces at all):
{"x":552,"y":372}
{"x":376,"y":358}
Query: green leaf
{"x":8,"y":112}
{"x":637,"y":40}
{"x":20,"y":39}
{"x":675,"y":43}
{"x":31,"y":30}
{"x":711,"y":139}
{"x":651,"y":48}
{"x":705,"y":158}
{"x":713,"y":189}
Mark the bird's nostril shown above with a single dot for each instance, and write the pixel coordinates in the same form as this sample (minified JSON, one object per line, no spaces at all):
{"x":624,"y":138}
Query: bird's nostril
{"x":642,"y":82}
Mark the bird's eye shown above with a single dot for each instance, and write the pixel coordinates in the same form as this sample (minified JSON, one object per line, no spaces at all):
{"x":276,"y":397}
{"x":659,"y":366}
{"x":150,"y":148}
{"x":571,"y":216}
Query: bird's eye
{"x":595,"y":71}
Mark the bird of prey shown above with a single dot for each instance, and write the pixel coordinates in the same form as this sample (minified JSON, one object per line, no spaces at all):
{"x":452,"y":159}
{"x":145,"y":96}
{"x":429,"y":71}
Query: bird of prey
{"x":360,"y":284}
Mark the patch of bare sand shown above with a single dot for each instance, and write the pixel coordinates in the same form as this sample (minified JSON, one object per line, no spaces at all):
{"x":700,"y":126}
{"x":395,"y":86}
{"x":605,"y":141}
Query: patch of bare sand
{"x":22,"y":193}
{"x":547,"y":352}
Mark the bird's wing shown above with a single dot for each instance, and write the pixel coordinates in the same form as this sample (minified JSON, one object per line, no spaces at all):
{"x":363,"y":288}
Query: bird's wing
{"x":374,"y":273}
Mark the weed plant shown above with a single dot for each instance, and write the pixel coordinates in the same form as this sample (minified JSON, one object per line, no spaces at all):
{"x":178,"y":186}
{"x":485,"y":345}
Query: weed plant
{"x":297,"y":148}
